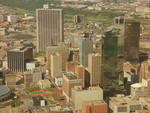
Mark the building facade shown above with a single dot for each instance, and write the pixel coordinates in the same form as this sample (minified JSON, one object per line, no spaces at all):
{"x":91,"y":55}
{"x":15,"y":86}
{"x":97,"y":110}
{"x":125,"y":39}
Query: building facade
{"x":18,"y":57}
{"x":78,"y":96}
{"x":12,"y":18}
{"x":50,"y":27}
{"x":131,"y":41}
{"x":70,"y":66}
{"x":63,"y":50}
{"x":69,"y":81}
{"x":113,"y":65}
{"x":85,"y":48}
{"x":79,"y":19}
{"x":80,"y":73}
{"x":95,"y":69}
{"x":95,"y":106}
{"x":56,"y":65}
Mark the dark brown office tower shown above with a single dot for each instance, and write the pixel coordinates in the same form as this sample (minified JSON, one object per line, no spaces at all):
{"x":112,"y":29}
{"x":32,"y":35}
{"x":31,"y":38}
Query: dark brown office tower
{"x":18,"y":57}
{"x":79,"y":19}
{"x":131,"y":41}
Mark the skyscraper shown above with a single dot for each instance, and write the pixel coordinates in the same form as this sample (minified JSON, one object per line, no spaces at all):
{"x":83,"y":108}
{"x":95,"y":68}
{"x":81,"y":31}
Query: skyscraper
{"x":18,"y":57}
{"x":113,"y":73}
{"x":50,"y":27}
{"x":85,"y":48}
{"x":95,"y":69}
{"x":63,"y":50}
{"x":131,"y":41}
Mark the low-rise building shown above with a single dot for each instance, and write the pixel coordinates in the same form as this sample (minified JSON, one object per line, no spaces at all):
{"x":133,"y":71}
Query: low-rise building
{"x":38,"y":101}
{"x":11,"y":18}
{"x":31,"y":65}
{"x":37,"y":75}
{"x":124,"y":104}
{"x":95,"y":106}
{"x":139,"y":89}
{"x":44,"y":83}
{"x":10,"y":79}
{"x":3,"y":72}
{"x":142,"y":111}
{"x":59,"y":109}
{"x":145,"y":101}
{"x":78,"y":96}
{"x":28,"y":77}
{"x":3,"y":31}
{"x":59,"y":81}
{"x":32,"y":76}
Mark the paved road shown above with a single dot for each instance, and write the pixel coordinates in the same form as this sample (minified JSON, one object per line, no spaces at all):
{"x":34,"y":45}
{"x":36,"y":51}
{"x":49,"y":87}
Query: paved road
{"x":24,"y":97}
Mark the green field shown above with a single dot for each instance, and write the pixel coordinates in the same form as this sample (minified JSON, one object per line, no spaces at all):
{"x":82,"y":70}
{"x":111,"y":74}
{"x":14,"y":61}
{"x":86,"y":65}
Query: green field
{"x":20,"y":7}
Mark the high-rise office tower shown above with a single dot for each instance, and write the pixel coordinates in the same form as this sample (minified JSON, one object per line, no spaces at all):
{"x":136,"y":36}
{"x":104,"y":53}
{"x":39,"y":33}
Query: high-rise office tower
{"x":18,"y":57}
{"x":113,"y":73}
{"x":95,"y":69}
{"x":80,"y":73}
{"x":56,"y":65}
{"x":50,"y":27}
{"x":63,"y":50}
{"x":131,"y":41}
{"x":85,"y":48}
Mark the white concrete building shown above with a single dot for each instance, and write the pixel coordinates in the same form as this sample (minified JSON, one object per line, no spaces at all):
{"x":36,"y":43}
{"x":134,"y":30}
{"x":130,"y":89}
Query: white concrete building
{"x":44,"y":83}
{"x":37,"y":76}
{"x":31,"y":65}
{"x":79,"y":95}
{"x":138,"y":89}
{"x":5,"y":65}
{"x":12,"y":18}
{"x":59,"y":81}
{"x":125,"y":104}
{"x":141,"y":89}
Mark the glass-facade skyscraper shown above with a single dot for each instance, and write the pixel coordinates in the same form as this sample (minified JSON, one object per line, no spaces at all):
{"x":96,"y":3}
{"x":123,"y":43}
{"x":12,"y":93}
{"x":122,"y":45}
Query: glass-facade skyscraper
{"x":113,"y":65}
{"x":85,"y":48}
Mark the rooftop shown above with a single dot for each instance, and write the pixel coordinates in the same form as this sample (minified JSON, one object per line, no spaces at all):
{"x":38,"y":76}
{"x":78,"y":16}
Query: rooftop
{"x":49,"y":9}
{"x":3,"y":90}
{"x":20,"y":49}
{"x":57,"y":48}
{"x":55,"y":54}
{"x":70,"y":75}
{"x":137,"y":85}
{"x":37,"y":98}
{"x":44,"y":81}
{"x":124,"y":101}
{"x":94,"y":103}
{"x":59,"y":108}
{"x":96,"y":88}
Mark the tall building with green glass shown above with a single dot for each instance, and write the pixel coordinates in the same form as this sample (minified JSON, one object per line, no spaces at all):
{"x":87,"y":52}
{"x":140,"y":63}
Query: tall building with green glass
{"x":113,"y":65}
